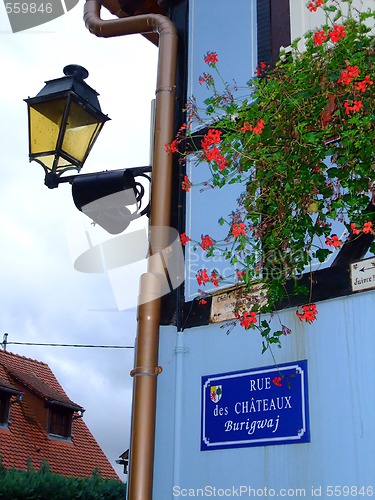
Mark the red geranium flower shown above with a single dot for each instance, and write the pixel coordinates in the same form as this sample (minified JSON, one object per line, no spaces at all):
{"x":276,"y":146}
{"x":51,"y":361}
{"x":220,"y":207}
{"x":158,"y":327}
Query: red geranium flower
{"x":211,"y":58}
{"x":337,"y":33}
{"x":355,"y":231}
{"x":172,"y":147}
{"x":334,"y":241}
{"x":307,"y":313}
{"x":215,"y":278}
{"x":314,"y":4}
{"x":238,"y":229}
{"x":206,"y":242}
{"x":202,"y":277}
{"x":320,"y":37}
{"x":248,"y":319}
{"x":348,"y":74}
{"x":367,"y":227}
{"x":362,"y":86}
{"x":186,"y":184}
{"x":184,"y":239}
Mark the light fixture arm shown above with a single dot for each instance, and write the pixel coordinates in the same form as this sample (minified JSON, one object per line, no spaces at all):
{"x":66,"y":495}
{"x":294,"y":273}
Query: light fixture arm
{"x":104,"y":196}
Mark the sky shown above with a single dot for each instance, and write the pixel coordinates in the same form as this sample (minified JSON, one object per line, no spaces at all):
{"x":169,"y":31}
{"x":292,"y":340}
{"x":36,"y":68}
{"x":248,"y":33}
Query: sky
{"x":43,"y":298}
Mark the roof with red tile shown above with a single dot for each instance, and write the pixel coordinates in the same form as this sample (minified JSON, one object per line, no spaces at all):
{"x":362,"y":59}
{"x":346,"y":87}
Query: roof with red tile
{"x":26,"y":438}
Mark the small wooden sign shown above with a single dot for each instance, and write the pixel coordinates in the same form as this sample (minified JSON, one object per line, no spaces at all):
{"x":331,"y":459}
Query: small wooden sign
{"x":226,"y":304}
{"x":362,"y":275}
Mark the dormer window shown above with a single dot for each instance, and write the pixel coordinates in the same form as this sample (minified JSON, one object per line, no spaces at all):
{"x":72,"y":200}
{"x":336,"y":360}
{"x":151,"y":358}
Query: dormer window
{"x":4,"y":408}
{"x":6,"y":393}
{"x":60,"y":421}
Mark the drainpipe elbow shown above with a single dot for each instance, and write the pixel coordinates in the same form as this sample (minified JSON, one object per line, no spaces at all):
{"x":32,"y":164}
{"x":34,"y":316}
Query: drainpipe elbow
{"x":91,"y":17}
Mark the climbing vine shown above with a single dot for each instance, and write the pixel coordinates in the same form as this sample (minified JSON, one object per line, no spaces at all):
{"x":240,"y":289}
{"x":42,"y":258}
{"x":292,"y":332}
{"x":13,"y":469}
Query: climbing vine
{"x":302,"y":147}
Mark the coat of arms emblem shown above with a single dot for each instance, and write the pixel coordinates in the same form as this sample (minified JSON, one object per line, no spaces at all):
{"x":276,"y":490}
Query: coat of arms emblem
{"x":216,"y":392}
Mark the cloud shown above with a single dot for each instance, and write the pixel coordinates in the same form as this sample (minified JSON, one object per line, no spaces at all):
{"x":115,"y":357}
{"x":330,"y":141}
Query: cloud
{"x":43,"y":298}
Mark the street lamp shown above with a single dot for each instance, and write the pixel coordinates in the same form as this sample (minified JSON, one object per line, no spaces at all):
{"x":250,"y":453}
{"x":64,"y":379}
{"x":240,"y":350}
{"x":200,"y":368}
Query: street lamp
{"x":65,"y":120}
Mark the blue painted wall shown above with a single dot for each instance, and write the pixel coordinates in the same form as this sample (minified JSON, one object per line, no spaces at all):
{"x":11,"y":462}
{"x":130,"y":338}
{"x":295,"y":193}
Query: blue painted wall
{"x":339,"y":348}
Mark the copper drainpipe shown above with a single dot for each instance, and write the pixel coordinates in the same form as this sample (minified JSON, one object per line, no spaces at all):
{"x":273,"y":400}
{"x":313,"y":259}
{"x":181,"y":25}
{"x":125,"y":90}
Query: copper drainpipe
{"x":140,"y":480}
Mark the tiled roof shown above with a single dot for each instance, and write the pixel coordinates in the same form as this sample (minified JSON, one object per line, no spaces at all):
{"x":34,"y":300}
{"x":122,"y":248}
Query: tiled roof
{"x":26,"y":437}
{"x":44,"y":390}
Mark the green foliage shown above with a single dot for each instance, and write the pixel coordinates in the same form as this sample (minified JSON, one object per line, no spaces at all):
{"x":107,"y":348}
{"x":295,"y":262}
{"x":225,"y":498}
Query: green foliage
{"x":43,"y":484}
{"x":303,"y":147}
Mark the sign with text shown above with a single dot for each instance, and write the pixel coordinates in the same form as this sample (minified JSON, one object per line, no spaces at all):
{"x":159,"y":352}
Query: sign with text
{"x":258,"y":407}
{"x":362,"y":274}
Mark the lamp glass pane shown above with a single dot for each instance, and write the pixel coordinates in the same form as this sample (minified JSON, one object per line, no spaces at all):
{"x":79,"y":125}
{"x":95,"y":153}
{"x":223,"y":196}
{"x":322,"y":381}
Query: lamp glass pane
{"x":81,"y":131}
{"x":45,"y":122}
{"x":48,"y":160}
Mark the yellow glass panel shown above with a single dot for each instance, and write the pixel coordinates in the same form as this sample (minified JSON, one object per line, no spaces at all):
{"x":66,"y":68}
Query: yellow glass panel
{"x":81,"y":130}
{"x":45,"y":121}
{"x":49,"y":159}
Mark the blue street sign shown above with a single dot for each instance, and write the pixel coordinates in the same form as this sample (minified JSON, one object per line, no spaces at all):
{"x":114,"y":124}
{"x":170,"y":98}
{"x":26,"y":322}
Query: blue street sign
{"x":257,"y":407}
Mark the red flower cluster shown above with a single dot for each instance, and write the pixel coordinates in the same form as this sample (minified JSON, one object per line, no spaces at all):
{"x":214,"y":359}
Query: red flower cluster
{"x":334,"y":241}
{"x":215,"y":156}
{"x":211,"y":152}
{"x":206,"y":242}
{"x":184,"y":239}
{"x":212,"y":137}
{"x":258,"y":129}
{"x":367,"y":228}
{"x":355,"y":231}
{"x":335,"y":35}
{"x":238,"y":229}
{"x":348,"y":74}
{"x":320,"y":37}
{"x":307,"y":313}
{"x":186,"y":184}
{"x":262,"y":66}
{"x":172,"y":147}
{"x":362,"y":86}
{"x":203,"y":277}
{"x":357,"y":105}
{"x":314,"y":4}
{"x":247,"y":319}
{"x":214,"y":279}
{"x":211,"y":58}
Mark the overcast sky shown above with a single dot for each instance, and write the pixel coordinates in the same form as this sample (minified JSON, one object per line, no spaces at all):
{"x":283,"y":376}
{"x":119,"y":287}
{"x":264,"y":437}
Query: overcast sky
{"x":43,"y":298}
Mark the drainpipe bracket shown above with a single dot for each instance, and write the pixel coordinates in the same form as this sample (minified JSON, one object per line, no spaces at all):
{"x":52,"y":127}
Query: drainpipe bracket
{"x":172,"y":90}
{"x":142,"y":370}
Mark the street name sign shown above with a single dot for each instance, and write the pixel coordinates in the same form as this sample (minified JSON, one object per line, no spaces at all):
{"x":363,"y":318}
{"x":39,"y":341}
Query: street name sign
{"x":257,"y":407}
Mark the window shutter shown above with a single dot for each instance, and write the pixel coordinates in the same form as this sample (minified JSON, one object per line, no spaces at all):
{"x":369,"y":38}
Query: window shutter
{"x":273,"y":19}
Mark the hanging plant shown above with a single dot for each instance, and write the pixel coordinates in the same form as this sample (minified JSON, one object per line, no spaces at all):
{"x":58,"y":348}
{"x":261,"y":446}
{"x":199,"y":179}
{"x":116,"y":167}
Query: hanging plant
{"x":302,"y":148}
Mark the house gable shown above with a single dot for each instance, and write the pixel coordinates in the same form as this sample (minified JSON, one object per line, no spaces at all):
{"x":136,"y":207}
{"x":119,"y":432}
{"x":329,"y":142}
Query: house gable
{"x":44,"y":424}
